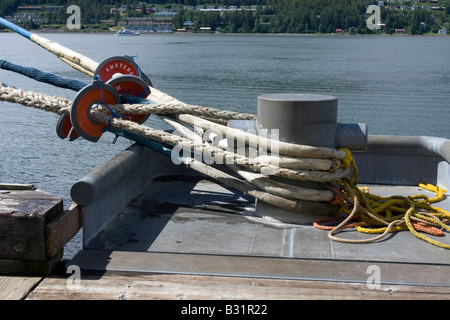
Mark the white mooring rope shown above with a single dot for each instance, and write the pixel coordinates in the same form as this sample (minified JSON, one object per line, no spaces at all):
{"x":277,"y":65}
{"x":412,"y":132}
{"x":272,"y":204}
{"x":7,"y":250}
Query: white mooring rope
{"x":256,"y":184}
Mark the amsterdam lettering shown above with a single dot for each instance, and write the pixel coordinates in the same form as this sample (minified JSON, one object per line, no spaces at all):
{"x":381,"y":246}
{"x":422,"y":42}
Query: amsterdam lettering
{"x":120,"y":67}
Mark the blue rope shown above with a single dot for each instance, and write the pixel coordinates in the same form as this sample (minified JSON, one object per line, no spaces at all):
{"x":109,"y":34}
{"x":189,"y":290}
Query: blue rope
{"x":113,"y":112}
{"x":153,"y":145}
{"x":27,"y":34}
{"x":61,"y":82}
{"x":41,"y":76}
{"x":70,"y":84}
{"x":141,"y":74}
{"x":139,"y":65}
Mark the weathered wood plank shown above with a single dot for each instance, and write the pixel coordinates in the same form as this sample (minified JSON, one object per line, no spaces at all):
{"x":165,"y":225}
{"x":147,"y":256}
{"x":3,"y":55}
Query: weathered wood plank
{"x":113,"y":285}
{"x":23,"y":216}
{"x":61,"y":229}
{"x":16,"y":186}
{"x":16,"y":288}
{"x":28,"y":267}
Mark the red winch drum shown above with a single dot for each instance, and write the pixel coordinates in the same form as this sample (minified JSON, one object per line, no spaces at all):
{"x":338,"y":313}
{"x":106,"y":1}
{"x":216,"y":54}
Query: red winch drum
{"x":133,"y":86}
{"x":119,"y":65}
{"x":88,"y":97}
{"x":65,"y":129}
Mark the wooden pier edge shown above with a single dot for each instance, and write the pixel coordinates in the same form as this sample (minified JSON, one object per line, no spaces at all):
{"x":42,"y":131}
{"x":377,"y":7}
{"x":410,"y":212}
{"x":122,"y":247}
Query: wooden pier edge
{"x":116,"y":285}
{"x":62,"y":229}
{"x":34,"y":229}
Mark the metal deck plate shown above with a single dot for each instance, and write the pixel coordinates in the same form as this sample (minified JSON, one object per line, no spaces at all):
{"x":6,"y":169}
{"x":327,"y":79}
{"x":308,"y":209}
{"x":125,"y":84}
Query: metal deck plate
{"x":200,"y":227}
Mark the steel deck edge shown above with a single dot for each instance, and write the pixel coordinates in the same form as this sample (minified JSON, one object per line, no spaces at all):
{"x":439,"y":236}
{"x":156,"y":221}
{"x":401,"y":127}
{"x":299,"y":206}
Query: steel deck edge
{"x":370,"y":272}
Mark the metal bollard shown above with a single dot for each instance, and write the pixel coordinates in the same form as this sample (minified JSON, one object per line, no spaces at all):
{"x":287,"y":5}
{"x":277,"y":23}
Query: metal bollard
{"x":307,"y":119}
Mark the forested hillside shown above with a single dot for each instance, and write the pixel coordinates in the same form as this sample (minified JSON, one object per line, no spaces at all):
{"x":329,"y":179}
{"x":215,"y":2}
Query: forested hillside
{"x":248,"y":16}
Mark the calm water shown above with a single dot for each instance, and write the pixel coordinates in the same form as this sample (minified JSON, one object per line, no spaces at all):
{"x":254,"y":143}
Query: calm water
{"x":396,"y":85}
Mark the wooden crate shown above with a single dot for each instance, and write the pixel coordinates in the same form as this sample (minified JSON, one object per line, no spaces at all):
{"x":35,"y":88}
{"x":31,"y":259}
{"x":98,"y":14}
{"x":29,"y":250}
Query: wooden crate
{"x":33,"y":231}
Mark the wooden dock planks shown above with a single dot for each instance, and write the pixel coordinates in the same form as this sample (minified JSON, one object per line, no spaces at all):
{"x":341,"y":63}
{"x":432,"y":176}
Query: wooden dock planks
{"x":134,"y":286}
{"x":17,"y":287}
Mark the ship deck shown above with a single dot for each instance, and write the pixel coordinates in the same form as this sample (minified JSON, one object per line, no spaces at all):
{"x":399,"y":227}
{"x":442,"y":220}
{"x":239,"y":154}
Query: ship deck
{"x":196,"y":226}
{"x":192,"y":238}
{"x":157,"y":231}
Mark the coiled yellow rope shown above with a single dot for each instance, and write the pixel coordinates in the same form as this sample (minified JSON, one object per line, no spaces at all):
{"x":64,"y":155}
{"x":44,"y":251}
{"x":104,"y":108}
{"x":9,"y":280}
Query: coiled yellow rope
{"x":381,"y":215}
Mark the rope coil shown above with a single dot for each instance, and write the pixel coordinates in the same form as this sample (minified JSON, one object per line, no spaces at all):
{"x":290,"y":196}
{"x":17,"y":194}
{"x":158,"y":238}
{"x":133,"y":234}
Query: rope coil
{"x":373,"y":214}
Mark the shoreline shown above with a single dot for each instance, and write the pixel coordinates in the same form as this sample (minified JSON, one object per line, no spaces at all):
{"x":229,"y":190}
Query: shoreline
{"x":92,"y":31}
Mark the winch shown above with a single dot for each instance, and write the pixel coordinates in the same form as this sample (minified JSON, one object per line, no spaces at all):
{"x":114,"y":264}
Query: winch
{"x":114,"y":77}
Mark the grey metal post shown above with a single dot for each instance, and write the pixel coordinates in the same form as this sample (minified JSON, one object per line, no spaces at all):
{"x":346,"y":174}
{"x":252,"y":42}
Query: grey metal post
{"x":308,"y":119}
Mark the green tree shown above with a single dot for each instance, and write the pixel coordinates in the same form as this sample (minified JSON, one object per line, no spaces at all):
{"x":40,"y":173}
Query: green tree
{"x":274,"y":16}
